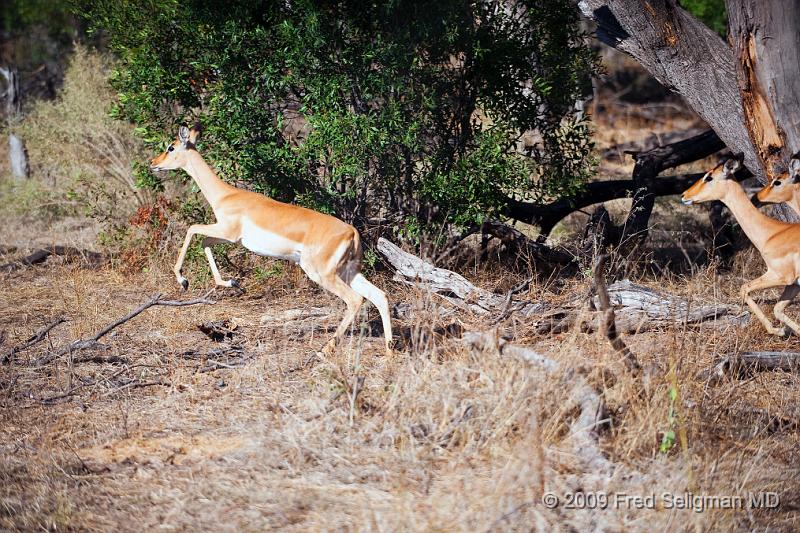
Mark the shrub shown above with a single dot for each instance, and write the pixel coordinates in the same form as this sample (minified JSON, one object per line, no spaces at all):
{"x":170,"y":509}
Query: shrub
{"x":80,"y":151}
{"x":404,"y":110}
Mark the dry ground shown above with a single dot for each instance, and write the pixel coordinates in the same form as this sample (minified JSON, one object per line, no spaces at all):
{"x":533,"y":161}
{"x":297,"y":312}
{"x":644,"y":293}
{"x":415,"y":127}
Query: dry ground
{"x":439,"y":437}
{"x":167,"y":428}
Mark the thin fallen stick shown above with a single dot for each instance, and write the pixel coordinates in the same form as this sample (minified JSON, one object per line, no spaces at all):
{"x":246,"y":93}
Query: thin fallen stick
{"x":38,"y":337}
{"x":84,"y":344}
{"x":608,"y":325}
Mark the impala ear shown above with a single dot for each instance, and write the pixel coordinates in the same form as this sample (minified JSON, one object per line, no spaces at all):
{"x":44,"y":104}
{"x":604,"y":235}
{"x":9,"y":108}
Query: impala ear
{"x":195,"y":132}
{"x":794,"y":166}
{"x":183,"y":135}
{"x":733,"y":164}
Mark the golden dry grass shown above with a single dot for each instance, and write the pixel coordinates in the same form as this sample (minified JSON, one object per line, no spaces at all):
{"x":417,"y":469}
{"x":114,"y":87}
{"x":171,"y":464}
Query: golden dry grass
{"x":440,"y":437}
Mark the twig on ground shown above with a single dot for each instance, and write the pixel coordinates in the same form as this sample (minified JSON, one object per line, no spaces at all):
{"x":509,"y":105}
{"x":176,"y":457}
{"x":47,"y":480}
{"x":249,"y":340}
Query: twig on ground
{"x":100,"y":359}
{"x":608,"y":325}
{"x":84,"y":344}
{"x":38,"y":337}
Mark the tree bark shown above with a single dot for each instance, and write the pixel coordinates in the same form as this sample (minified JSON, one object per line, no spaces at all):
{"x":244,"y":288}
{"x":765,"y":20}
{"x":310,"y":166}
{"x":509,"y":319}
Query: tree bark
{"x":749,"y":95}
{"x":765,"y":37}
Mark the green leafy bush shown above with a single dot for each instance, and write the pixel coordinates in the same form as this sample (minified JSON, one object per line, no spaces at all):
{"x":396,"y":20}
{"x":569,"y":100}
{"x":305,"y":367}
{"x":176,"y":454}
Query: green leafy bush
{"x":404,"y":110}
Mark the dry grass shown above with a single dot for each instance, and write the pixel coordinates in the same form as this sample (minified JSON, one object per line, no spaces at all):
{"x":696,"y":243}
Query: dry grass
{"x":439,"y":438}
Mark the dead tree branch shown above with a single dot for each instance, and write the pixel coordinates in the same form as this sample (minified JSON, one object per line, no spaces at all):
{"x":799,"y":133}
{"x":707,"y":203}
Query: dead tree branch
{"x":451,"y":286}
{"x":608,"y":325}
{"x":38,"y":337}
{"x":40,"y":255}
{"x":84,"y":344}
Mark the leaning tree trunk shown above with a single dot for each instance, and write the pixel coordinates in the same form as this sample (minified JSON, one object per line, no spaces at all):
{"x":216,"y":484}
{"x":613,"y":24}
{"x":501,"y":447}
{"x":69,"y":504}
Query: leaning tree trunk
{"x":765,"y":37}
{"x":690,"y":59}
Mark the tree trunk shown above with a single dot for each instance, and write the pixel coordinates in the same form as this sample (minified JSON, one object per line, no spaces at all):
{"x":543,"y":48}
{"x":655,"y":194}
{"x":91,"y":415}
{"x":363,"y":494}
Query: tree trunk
{"x":766,"y":45}
{"x":18,"y":156}
{"x":16,"y":147}
{"x":684,"y":55}
{"x":757,"y":115}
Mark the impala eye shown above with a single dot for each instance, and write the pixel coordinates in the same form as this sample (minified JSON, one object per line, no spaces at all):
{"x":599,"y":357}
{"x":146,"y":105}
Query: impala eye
{"x":776,"y":183}
{"x":171,"y":148}
{"x":708,"y":178}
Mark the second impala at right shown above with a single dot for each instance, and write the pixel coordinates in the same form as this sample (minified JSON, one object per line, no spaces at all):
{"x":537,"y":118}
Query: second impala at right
{"x":778,"y":242}
{"x":784,"y":187}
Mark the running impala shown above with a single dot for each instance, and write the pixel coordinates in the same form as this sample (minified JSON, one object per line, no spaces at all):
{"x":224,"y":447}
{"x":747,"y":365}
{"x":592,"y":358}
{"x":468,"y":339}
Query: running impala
{"x":778,"y":242}
{"x":326,"y":248}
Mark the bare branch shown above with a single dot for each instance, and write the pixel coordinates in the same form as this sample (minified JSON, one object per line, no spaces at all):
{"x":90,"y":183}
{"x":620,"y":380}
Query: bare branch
{"x":84,"y":344}
{"x":38,"y":337}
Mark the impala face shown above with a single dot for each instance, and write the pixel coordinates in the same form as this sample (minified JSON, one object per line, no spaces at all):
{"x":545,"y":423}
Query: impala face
{"x":778,"y":190}
{"x":175,"y":154}
{"x":713,"y":185}
{"x":783,"y":187}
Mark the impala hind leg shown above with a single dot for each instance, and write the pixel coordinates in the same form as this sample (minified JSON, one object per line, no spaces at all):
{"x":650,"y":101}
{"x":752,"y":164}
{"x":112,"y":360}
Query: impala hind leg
{"x":378,"y":298}
{"x":786,"y":298}
{"x":210,"y":230}
{"x":769,"y":279}
{"x":352,"y":299}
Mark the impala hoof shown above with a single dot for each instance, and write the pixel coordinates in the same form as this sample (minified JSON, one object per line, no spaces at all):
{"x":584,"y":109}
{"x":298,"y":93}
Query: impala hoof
{"x":235,"y":284}
{"x":184,"y":283}
{"x":780,"y":332}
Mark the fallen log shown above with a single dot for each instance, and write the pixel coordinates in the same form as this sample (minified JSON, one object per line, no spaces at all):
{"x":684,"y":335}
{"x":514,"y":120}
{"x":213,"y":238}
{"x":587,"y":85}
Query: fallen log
{"x":40,"y":255}
{"x":637,"y":308}
{"x":451,"y":286}
{"x":746,"y":363}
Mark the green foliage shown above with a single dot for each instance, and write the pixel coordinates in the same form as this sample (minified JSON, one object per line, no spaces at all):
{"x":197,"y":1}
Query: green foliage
{"x":711,"y":12}
{"x":275,"y":270}
{"x":668,"y":439}
{"x":401,"y":108}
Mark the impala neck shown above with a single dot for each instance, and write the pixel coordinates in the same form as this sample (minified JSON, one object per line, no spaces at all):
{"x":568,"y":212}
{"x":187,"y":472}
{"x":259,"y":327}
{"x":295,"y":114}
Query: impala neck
{"x":757,"y":226}
{"x":210,"y":185}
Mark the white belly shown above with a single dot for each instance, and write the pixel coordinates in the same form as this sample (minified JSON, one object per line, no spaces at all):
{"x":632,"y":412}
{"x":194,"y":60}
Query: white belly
{"x":269,"y":244}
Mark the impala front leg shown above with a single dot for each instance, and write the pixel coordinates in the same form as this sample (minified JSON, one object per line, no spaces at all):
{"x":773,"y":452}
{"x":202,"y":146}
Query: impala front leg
{"x":215,"y":231}
{"x":208,"y":242}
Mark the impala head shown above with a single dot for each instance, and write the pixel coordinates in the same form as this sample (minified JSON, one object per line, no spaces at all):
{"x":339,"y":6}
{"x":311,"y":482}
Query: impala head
{"x":714,"y":184}
{"x":783,"y":186}
{"x":175,"y":154}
